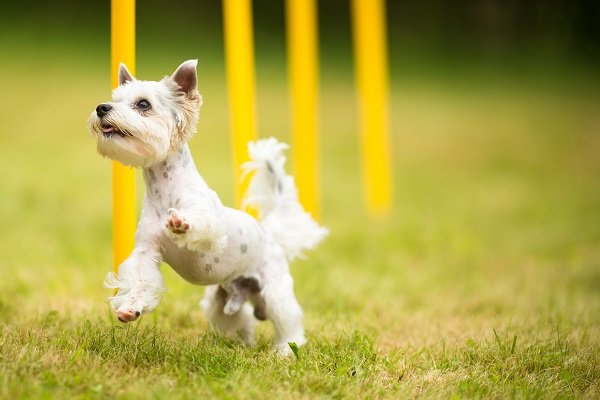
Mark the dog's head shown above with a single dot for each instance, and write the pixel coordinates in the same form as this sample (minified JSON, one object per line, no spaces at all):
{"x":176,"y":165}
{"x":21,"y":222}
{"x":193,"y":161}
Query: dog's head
{"x":146,"y":120}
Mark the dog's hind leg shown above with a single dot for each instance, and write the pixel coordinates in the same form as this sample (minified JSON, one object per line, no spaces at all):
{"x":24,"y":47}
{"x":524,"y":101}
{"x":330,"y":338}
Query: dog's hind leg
{"x":283,"y":310}
{"x":241,"y":322}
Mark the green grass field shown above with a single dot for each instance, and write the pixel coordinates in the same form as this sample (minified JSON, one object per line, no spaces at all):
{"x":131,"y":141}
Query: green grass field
{"x":485,"y":281}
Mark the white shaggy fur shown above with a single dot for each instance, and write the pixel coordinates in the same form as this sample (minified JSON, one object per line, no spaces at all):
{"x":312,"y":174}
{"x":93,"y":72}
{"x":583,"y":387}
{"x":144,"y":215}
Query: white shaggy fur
{"x":274,"y":194}
{"x":183,"y":223}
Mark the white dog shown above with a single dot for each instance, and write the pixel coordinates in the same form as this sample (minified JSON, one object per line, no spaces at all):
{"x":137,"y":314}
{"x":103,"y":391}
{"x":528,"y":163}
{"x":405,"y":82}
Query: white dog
{"x":183,"y":223}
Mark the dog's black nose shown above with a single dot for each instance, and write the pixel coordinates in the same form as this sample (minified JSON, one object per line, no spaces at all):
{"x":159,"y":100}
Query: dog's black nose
{"x":103,"y":109}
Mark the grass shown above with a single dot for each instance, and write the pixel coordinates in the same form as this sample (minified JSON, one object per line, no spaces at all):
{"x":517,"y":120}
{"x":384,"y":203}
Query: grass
{"x":485,"y":281}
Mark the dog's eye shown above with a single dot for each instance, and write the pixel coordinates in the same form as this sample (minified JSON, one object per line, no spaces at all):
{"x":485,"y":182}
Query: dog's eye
{"x":143,"y":105}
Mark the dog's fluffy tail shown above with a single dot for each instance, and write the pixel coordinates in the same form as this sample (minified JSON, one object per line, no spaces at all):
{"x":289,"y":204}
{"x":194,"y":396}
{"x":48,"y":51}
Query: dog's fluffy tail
{"x":273,"y":193}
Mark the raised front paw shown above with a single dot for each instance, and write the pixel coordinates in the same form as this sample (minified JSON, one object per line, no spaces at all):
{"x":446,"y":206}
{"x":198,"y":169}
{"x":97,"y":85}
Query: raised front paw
{"x":176,"y":223}
{"x":128,"y":315}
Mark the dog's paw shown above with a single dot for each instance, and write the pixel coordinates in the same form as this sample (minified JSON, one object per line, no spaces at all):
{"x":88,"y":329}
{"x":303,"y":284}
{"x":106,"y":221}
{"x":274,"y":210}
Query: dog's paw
{"x":289,"y":348}
{"x":127,"y":315}
{"x":176,"y":223}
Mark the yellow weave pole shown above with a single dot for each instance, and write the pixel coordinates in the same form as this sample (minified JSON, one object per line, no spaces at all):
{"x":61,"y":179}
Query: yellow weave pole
{"x":303,"y":73}
{"x":122,"y":44}
{"x":368,"y":20}
{"x":239,"y":59}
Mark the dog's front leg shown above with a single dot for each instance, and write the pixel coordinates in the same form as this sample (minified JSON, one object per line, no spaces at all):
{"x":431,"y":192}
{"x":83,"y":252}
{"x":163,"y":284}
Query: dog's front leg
{"x":197,"y":229}
{"x":139,"y":283}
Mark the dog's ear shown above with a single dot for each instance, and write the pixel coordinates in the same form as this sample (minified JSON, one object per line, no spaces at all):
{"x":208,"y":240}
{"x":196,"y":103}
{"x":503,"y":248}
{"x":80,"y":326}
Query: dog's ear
{"x":185,"y":76}
{"x":124,"y":75}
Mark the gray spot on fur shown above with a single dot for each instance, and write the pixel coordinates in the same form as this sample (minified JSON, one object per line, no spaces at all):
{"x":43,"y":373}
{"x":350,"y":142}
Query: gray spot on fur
{"x":239,"y":291}
{"x":244,"y":248}
{"x":208,"y":268}
{"x":184,"y":157}
{"x":259,"y":312}
{"x":247,"y":284}
{"x":202,"y":255}
{"x":165,"y":175}
{"x":151,"y":181}
{"x":270,"y":167}
{"x":216,"y":259}
{"x":152,"y":176}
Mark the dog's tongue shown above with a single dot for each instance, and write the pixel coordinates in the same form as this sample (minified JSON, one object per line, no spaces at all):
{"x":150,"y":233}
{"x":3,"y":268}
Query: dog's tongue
{"x":108,"y":129}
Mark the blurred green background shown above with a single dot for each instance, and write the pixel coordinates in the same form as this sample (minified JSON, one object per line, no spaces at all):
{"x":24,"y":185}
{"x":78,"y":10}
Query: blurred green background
{"x":494,"y":113}
{"x":495,"y":127}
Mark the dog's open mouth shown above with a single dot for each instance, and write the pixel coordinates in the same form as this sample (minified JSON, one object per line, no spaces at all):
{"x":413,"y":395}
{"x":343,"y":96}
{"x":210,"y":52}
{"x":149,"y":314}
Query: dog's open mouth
{"x":109,"y":130}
